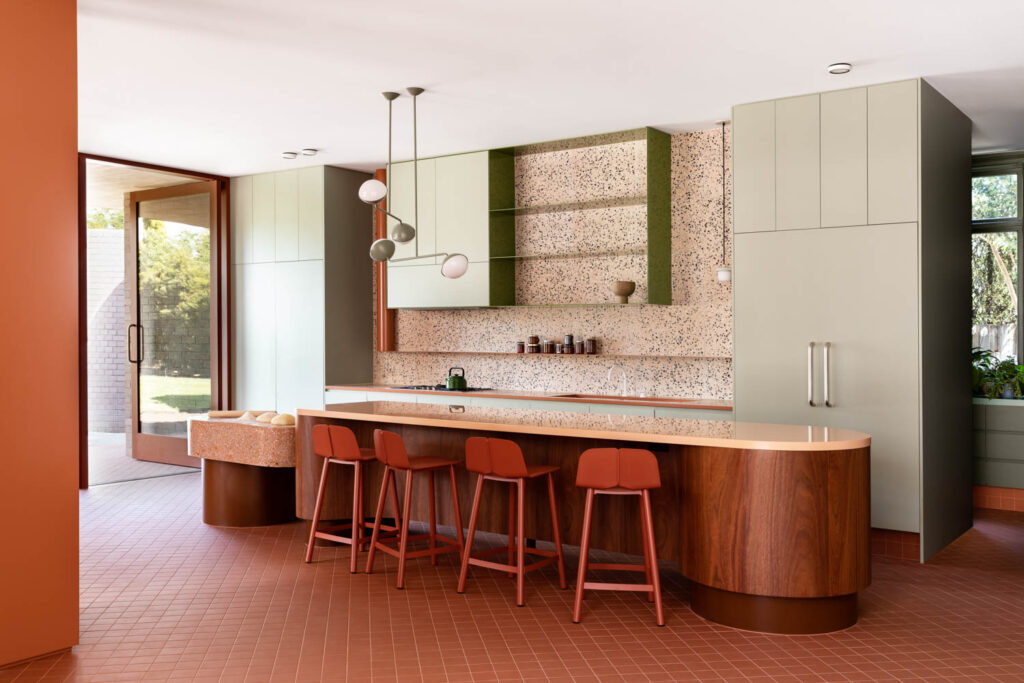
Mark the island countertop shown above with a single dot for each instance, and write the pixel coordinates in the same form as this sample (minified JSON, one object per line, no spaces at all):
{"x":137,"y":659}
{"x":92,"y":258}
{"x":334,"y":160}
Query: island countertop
{"x":685,"y":432}
{"x":566,"y":396}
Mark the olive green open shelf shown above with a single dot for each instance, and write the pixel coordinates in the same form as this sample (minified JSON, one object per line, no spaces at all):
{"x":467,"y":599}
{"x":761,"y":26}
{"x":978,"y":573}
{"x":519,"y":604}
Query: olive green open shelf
{"x":657,"y":199}
{"x":584,"y":205}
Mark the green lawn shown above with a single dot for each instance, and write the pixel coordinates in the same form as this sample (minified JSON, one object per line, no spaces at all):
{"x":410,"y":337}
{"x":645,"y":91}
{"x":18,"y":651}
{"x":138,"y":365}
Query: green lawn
{"x":159,"y":394}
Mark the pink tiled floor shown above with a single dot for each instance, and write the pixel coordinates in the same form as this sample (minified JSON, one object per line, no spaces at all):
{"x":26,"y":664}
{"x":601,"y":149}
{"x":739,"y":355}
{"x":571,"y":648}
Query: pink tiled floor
{"x":165,"y":597}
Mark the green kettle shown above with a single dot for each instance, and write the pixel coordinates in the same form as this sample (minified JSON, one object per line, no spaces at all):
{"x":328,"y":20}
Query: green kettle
{"x":456,"y":382}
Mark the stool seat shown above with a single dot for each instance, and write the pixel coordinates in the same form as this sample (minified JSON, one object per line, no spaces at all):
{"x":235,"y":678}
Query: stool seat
{"x":364,"y":455}
{"x":418,"y":463}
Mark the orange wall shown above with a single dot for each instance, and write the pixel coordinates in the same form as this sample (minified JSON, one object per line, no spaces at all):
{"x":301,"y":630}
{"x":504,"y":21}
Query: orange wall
{"x":38,"y":328}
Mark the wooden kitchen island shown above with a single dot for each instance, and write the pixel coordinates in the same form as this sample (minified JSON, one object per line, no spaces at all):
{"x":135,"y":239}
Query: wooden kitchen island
{"x":770,"y":523}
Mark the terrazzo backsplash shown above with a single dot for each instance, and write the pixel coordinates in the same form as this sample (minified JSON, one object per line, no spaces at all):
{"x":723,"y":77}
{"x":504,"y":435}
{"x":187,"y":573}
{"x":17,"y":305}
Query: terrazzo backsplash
{"x":682,"y":350}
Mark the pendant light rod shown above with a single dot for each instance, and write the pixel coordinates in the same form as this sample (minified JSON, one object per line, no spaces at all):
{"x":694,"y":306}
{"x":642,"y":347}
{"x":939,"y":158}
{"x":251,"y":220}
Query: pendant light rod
{"x":723,"y":193}
{"x":414,"y":91}
{"x":390,"y":97}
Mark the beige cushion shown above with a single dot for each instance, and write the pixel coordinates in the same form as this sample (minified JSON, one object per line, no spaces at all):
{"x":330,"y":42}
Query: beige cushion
{"x":283,"y":419}
{"x":266,"y":417}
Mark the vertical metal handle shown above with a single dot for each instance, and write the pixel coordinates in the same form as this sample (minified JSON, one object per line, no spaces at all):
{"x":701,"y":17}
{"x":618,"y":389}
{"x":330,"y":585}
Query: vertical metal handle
{"x":129,"y":343}
{"x":140,"y":342}
{"x":810,"y":375}
{"x":828,"y":367}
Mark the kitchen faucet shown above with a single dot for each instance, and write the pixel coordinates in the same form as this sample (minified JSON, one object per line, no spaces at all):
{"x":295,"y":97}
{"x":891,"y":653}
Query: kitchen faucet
{"x":611,"y":370}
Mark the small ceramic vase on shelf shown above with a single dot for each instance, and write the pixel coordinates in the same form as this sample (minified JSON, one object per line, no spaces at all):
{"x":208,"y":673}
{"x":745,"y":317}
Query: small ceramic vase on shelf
{"x":623,"y":289}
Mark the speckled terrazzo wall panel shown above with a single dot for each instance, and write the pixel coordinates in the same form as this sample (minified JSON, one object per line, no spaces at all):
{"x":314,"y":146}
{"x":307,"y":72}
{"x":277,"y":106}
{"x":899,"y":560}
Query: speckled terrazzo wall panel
{"x":678,"y":350}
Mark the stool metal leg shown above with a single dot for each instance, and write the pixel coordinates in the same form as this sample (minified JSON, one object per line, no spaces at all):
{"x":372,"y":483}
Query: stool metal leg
{"x":403,"y":549}
{"x":581,"y":576}
{"x":474,"y":513}
{"x":316,"y":511}
{"x":357,"y":513}
{"x":433,"y":516}
{"x":511,"y":526}
{"x":649,"y":543}
{"x":381,"y":499}
{"x":557,"y":532}
{"x":520,"y":542}
{"x":455,"y":508}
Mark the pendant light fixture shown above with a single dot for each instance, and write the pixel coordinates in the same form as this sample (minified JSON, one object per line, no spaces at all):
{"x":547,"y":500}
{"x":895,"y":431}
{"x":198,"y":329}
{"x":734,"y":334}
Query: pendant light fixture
{"x":724,"y":272}
{"x":373,"y":192}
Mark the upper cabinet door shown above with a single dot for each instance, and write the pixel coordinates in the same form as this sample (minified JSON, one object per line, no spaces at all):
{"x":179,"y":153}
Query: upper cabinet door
{"x":286,"y":215}
{"x":241,"y":220}
{"x":311,"y":213}
{"x":892,"y":152}
{"x":462,"y":205}
{"x":753,"y":155}
{"x":264,"y":240}
{"x":844,"y":158}
{"x":403,"y":204}
{"x":797,"y":157}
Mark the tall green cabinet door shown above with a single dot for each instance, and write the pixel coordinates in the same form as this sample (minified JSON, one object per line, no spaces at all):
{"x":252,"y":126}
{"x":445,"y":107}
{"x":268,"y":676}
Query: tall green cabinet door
{"x":403,"y":204}
{"x":753,"y":163}
{"x":461,"y":207}
{"x":893,"y":152}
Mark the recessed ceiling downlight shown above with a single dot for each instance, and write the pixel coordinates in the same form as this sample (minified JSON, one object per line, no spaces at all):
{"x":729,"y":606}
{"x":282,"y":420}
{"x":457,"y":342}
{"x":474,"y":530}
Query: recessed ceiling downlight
{"x":839,"y":68}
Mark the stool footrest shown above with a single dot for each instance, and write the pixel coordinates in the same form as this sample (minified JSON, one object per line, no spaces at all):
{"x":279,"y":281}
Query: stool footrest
{"x":598,"y":586}
{"x":451,"y":545}
{"x":617,"y":567}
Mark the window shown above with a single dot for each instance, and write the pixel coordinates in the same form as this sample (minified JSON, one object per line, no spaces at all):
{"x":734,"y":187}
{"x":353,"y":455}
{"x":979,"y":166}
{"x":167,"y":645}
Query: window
{"x":996,"y":253}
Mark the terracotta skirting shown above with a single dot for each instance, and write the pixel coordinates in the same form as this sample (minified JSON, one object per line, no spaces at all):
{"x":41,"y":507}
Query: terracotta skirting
{"x":998,"y":498}
{"x":896,"y":545}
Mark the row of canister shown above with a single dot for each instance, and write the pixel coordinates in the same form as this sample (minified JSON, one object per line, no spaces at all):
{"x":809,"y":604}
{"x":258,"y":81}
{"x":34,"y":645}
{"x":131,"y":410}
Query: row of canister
{"x":533,"y":344}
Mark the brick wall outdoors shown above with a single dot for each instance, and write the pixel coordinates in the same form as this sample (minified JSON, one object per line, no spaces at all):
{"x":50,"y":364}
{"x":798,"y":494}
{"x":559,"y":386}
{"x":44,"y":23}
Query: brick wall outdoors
{"x":107,"y":322}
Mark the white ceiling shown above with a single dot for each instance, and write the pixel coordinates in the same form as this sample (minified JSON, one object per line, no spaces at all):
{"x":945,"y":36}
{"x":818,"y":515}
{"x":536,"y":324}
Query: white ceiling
{"x":224,"y":86}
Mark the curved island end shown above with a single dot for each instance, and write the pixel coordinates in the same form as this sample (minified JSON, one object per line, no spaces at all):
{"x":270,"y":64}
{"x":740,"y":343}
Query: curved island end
{"x":770,"y":523}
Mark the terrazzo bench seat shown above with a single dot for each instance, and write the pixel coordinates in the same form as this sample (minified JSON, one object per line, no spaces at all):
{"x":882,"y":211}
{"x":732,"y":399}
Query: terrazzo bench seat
{"x":248,"y":471}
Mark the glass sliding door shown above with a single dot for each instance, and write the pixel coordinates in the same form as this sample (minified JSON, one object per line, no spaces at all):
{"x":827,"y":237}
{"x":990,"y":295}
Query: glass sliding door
{"x":171,"y":266}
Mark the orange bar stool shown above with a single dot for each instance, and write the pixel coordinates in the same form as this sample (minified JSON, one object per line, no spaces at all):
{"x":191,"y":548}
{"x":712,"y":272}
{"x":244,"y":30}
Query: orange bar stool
{"x":337,"y":445}
{"x":619,"y":472}
{"x":502,"y":460}
{"x":391,"y":451}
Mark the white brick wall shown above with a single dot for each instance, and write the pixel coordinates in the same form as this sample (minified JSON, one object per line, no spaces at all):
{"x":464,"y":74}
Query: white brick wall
{"x":108,"y":377}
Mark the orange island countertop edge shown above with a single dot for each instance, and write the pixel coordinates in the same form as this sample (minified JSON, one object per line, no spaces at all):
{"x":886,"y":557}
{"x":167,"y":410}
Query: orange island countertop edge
{"x":666,"y":430}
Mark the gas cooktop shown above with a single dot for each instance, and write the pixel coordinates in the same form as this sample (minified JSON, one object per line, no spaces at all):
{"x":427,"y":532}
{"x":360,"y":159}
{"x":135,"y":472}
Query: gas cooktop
{"x":438,"y":387}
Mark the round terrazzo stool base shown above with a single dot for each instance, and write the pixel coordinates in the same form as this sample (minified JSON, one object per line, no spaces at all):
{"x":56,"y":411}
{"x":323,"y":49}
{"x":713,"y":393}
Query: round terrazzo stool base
{"x":773,"y":615}
{"x":247,"y":495}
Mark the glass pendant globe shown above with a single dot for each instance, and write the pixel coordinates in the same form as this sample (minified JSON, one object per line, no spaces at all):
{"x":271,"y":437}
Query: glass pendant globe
{"x":402,"y":233}
{"x":372,"y":191}
{"x":382,"y":250}
{"x":455,"y":266}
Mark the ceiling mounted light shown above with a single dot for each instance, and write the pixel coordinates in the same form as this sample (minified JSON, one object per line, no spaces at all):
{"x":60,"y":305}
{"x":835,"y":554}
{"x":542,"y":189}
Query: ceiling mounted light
{"x":839,"y":68}
{"x":289,"y":155}
{"x":309,"y":152}
{"x":373,"y":192}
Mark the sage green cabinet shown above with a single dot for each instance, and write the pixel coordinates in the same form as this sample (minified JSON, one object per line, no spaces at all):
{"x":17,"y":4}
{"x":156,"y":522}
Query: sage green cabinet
{"x":892,"y":152}
{"x":797,"y":156}
{"x":753,"y":149}
{"x":300,"y":319}
{"x":461,"y":208}
{"x":455,"y":193}
{"x":404,"y":179}
{"x":844,"y":157}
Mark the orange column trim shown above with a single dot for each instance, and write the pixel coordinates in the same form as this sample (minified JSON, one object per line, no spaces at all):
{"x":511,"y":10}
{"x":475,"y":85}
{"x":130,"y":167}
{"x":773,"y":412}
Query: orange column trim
{"x":385,"y":316}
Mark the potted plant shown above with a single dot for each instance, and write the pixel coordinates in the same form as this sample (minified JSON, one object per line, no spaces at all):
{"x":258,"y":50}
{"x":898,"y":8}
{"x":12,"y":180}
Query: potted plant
{"x":1005,"y":380}
{"x":982,"y":363}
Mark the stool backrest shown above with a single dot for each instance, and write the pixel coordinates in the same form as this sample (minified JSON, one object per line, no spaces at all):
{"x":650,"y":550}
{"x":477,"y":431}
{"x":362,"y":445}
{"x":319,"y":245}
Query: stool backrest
{"x":627,"y":468}
{"x":344,"y":443}
{"x":498,"y":457}
{"x":390,"y":449}
{"x":322,"y":441}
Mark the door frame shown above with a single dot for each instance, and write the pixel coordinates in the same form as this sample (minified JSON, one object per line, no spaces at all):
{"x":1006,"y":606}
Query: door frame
{"x":220,"y":244}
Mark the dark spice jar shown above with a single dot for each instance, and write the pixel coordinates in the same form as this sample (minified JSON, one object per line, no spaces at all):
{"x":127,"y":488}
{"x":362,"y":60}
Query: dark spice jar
{"x":581,"y":347}
{"x":591,"y":345}
{"x":533,"y":339}
{"x":520,"y":347}
{"x":547,"y":346}
{"x":568,"y":340}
